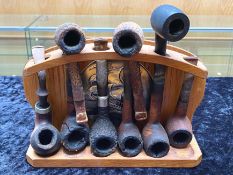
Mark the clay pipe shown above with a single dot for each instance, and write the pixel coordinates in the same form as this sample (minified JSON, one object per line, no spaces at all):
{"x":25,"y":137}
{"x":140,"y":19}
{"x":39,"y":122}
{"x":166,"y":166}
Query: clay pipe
{"x":103,"y":134}
{"x":178,"y":126}
{"x":45,"y":138}
{"x":156,"y":143}
{"x":75,"y":130}
{"x":127,"y":41}
{"x":129,"y":138}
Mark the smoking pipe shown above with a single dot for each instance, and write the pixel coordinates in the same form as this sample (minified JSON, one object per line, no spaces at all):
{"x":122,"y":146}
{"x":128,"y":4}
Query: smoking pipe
{"x":178,"y":126}
{"x":74,"y":130}
{"x":103,"y":134}
{"x":127,"y":41}
{"x":170,"y":24}
{"x":45,"y":138}
{"x":70,"y":38}
{"x":156,"y":143}
{"x":129,"y":138}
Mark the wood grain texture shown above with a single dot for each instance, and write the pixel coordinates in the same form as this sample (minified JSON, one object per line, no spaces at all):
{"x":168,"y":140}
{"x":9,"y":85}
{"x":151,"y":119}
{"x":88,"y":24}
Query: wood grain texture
{"x":196,"y":95}
{"x":56,"y":85}
{"x":56,"y":78}
{"x":173,"y":83}
{"x":31,"y":84}
{"x":173,"y":59}
{"x":187,"y":157}
{"x":112,"y":7}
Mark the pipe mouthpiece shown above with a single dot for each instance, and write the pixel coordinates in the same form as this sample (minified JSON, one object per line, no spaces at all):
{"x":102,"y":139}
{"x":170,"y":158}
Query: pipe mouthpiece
{"x":38,"y":54}
{"x":169,"y":22}
{"x":74,"y":136}
{"x":70,"y":38}
{"x":128,"y":39}
{"x":45,"y":140}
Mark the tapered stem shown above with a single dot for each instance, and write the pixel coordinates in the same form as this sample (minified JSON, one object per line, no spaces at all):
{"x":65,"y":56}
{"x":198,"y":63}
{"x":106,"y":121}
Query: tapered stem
{"x":136,"y":83}
{"x":78,"y":93}
{"x":157,"y":94}
{"x":127,"y":100}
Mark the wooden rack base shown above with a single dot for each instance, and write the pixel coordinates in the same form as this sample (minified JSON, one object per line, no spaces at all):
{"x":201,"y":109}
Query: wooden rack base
{"x":187,"y":157}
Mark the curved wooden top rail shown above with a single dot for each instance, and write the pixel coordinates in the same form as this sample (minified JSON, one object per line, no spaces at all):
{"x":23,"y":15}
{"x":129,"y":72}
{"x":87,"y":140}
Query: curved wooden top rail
{"x":174,"y":58}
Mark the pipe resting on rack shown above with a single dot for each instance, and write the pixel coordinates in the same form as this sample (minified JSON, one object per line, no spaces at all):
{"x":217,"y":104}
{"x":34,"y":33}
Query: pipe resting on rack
{"x":103,"y":134}
{"x":127,"y":41}
{"x":75,"y":130}
{"x":129,"y":138}
{"x":45,"y":138}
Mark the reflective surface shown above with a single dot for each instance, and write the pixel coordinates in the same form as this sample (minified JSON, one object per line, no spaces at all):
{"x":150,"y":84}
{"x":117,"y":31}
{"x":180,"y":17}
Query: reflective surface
{"x":210,"y":37}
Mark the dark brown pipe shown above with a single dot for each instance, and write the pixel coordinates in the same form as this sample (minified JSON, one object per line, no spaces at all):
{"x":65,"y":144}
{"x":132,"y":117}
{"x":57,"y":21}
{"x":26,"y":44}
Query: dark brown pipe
{"x":156,"y":143}
{"x":170,"y":24}
{"x":129,"y":138}
{"x":178,"y":126}
{"x":45,"y":138}
{"x":70,"y":38}
{"x":103,"y":134}
{"x":75,"y":130}
{"x":127,"y":41}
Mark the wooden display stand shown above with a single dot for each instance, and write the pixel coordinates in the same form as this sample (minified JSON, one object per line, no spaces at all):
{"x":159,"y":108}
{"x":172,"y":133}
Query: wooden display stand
{"x":56,"y":84}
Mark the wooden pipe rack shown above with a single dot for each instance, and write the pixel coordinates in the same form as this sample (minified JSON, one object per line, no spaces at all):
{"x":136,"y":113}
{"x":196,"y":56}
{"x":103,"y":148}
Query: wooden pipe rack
{"x":56,"y":84}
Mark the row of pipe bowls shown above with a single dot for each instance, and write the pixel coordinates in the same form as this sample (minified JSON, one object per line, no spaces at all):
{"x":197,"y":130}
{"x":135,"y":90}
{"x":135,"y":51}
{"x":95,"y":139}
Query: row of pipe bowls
{"x":103,"y":137}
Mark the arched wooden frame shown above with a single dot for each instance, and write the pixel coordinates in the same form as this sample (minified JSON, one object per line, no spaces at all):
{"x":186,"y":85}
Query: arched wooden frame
{"x":174,"y":60}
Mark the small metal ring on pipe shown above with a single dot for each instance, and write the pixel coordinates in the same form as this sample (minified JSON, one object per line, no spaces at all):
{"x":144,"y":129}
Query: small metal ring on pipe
{"x":42,"y":110}
{"x":103,"y":101}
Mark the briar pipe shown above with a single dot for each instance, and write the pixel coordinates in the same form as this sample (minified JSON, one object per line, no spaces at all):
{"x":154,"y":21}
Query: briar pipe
{"x":156,"y":142}
{"x":103,"y":134}
{"x":75,"y":130}
{"x":127,"y":41}
{"x":178,"y":126}
{"x":129,"y":138}
{"x":70,"y":38}
{"x":45,"y":138}
{"x":169,"y":24}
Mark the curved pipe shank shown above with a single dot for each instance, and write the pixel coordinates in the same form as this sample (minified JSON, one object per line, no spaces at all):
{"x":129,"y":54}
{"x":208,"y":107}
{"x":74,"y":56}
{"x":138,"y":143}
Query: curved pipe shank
{"x":127,"y":41}
{"x":156,"y":143}
{"x":178,"y":126}
{"x":75,"y":135}
{"x":78,"y":93}
{"x":129,"y":138}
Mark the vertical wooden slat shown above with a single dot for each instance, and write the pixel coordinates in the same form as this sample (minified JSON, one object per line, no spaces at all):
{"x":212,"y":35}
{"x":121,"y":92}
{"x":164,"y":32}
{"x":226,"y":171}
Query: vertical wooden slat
{"x":196,"y":96}
{"x":56,"y":84}
{"x":30,"y":84}
{"x":173,"y":83}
